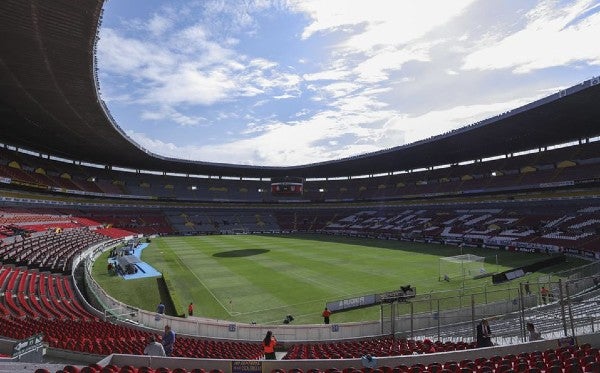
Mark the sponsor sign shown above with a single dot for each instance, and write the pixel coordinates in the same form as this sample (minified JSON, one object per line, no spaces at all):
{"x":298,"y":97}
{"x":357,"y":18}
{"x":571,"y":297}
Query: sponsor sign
{"x":25,"y":345}
{"x":356,"y":302}
{"x":246,"y":366}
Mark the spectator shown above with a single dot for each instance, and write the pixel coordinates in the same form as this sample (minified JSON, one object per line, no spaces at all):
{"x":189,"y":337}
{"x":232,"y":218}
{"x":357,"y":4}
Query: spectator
{"x":269,"y":344}
{"x":533,"y":334}
{"x":544,"y":292}
{"x":191,"y":309}
{"x":428,"y":346}
{"x":154,"y":348}
{"x":168,"y":340}
{"x":160,"y":310}
{"x":527,"y":289}
{"x":484,"y":334}
{"x":326,"y":313}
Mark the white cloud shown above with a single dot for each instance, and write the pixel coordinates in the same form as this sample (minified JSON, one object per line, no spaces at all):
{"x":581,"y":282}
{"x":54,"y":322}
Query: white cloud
{"x":190,"y":69}
{"x":376,"y":68}
{"x":168,"y":113}
{"x":339,"y":89}
{"x":191,"y":86}
{"x":337,"y":74}
{"x":139,"y":54}
{"x":385,"y":24}
{"x":159,"y":24}
{"x":410,"y":129}
{"x":368,"y":76}
{"x":553,"y":36}
{"x":283,"y":97}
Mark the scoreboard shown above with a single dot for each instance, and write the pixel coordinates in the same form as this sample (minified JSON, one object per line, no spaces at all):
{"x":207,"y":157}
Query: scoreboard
{"x":287,"y":186}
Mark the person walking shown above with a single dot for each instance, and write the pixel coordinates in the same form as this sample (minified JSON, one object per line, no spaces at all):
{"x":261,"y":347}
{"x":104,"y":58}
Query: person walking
{"x":269,"y":344}
{"x":168,"y":340}
{"x":326,"y":313}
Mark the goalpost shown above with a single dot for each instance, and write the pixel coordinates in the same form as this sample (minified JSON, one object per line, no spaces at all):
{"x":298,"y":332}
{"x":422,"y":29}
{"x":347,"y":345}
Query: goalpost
{"x":461,"y":266}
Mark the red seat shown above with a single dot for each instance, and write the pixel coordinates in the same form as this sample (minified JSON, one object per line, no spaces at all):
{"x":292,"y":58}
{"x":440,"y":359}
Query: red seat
{"x":592,"y":367}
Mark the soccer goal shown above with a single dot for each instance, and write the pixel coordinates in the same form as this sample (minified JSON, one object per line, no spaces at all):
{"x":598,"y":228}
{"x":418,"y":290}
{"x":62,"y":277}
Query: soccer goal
{"x":461,"y":266}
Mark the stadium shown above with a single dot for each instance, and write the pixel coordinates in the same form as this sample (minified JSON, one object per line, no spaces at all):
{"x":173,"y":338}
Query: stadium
{"x":509,"y":231}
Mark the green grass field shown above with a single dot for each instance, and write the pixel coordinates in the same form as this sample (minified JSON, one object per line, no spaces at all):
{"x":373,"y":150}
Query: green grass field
{"x":258,"y":278}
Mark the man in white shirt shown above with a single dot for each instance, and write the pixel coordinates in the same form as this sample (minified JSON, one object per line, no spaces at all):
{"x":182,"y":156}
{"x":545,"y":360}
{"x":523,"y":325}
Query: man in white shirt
{"x":154,"y":348}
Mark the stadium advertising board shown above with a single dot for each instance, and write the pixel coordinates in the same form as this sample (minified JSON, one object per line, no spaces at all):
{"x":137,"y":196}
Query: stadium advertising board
{"x":403,"y":294}
{"x":25,"y":345}
{"x":246,"y":366}
{"x":350,"y":303}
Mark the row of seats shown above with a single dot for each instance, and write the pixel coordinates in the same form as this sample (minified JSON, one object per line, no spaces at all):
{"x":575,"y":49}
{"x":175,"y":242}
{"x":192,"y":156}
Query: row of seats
{"x":103,"y":338}
{"x":386,"y":346}
{"x":493,"y":226}
{"x":53,"y":250}
{"x":29,"y":293}
{"x":562,"y":360}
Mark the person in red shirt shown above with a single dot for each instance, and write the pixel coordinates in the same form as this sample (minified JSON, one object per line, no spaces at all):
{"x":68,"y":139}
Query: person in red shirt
{"x":191,"y":309}
{"x":428,"y":346}
{"x":326,"y":313}
{"x":544,"y":293}
{"x":269,"y":344}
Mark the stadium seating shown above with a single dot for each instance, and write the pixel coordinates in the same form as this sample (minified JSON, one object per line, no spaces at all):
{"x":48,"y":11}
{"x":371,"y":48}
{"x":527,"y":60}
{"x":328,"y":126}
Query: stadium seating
{"x":525,"y":172}
{"x":563,"y":360}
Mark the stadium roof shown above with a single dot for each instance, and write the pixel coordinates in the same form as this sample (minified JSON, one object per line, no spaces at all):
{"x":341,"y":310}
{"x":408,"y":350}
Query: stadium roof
{"x":49,"y":103}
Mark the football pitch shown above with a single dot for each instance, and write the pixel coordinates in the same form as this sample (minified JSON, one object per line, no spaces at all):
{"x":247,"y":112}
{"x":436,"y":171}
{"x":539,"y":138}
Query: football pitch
{"x":263,"y":278}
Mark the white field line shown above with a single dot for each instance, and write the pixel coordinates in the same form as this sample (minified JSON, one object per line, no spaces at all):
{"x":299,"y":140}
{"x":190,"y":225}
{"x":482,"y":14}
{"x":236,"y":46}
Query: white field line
{"x":182,"y":263}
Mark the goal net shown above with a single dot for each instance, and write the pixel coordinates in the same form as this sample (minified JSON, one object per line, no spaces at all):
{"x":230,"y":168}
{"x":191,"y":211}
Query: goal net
{"x":461,"y":266}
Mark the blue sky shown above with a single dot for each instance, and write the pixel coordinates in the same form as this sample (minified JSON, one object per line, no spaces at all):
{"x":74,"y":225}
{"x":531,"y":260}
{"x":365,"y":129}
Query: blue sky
{"x":283,"y":83}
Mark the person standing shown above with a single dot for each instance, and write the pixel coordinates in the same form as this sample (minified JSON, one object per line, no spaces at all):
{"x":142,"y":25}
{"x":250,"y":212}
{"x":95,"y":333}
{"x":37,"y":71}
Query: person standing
{"x":154,"y":348}
{"x":326,"y":313}
{"x":160,"y":311}
{"x":191,"y":309}
{"x":168,"y":340}
{"x":544,"y":292}
{"x":484,"y":334}
{"x":533,"y":334}
{"x":269,"y":344}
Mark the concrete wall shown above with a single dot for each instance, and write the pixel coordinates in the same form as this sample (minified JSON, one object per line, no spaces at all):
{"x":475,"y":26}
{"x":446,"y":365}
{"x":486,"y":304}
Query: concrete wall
{"x":267,"y":366}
